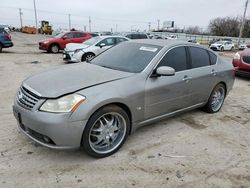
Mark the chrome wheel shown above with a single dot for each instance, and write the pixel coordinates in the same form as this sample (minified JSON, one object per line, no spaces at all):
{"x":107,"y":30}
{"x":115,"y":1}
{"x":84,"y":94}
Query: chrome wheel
{"x":217,"y":98}
{"x":89,"y":57}
{"x":54,"y":49}
{"x":107,"y":133}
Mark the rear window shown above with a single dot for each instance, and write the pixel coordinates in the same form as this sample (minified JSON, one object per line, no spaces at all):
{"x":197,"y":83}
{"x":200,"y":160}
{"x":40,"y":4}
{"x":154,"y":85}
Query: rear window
{"x":199,"y":57}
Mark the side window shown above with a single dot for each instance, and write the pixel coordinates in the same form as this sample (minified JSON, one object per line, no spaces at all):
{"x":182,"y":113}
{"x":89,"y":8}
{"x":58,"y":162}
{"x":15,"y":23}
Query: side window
{"x":118,"y":40}
{"x":175,"y":58}
{"x":213,"y":58}
{"x":199,"y":57}
{"x":70,"y":35}
{"x":108,"y":42}
{"x":129,"y":36}
{"x":79,"y":35}
{"x":143,"y":36}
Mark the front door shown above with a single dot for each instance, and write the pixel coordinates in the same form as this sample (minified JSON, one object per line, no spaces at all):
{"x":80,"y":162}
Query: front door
{"x":167,"y":94}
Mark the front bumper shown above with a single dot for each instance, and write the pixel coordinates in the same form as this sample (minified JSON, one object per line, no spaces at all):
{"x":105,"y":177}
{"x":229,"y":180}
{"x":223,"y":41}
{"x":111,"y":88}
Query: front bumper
{"x":215,"y":48}
{"x":7,"y":44}
{"x":53,"y":130}
{"x":69,"y":57}
{"x":43,"y":46}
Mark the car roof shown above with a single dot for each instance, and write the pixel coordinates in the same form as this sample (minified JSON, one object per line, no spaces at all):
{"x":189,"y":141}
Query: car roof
{"x":110,"y":36}
{"x":163,"y":42}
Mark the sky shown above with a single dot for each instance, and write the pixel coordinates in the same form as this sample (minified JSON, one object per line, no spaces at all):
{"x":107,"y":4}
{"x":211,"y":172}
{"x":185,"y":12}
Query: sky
{"x":119,"y":15}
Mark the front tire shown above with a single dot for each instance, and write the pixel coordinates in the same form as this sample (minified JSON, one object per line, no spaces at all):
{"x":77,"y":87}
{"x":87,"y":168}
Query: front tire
{"x":54,"y":48}
{"x":216,"y":99}
{"x":1,"y":47}
{"x":106,"y":131}
{"x":222,"y":49}
{"x":87,"y":57}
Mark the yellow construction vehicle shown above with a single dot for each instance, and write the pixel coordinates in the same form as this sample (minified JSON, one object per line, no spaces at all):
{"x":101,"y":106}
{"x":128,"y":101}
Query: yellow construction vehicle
{"x":45,"y":28}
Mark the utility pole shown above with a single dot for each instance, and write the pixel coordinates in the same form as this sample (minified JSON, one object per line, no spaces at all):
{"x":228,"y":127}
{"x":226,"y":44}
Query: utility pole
{"x":149,"y":26}
{"x":20,"y":14}
{"x":35,"y":13}
{"x":158,"y":27}
{"x":243,"y":22}
{"x":89,"y":24}
{"x":116,"y":26}
{"x":69,"y":23}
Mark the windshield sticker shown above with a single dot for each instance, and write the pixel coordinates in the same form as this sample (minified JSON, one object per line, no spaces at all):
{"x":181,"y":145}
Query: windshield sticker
{"x":149,"y":49}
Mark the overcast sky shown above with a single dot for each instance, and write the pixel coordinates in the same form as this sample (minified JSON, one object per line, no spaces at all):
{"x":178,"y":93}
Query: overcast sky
{"x":125,"y":14}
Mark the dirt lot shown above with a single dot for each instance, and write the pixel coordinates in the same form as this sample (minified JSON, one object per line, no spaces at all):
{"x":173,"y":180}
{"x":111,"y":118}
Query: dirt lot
{"x":191,"y":150}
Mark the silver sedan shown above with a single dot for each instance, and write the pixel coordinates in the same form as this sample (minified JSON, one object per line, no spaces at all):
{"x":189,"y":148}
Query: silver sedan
{"x":97,"y":105}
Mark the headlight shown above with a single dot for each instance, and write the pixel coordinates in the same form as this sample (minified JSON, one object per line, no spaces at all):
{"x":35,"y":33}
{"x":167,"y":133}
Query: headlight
{"x":66,"y":103}
{"x":77,"y":50}
{"x":237,"y":56}
{"x":45,"y":42}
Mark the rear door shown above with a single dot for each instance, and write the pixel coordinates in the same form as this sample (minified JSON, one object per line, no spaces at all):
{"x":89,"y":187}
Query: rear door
{"x":166,"y":94}
{"x":203,"y":74}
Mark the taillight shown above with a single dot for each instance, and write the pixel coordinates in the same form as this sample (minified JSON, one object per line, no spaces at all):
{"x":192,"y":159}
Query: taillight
{"x":7,"y":37}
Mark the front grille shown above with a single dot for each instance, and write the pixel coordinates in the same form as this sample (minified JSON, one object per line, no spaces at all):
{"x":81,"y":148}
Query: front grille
{"x":26,"y":98}
{"x":246,"y":59}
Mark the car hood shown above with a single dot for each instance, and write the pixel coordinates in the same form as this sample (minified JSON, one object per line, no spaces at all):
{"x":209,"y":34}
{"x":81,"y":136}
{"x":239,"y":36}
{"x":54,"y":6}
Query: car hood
{"x":75,"y":46}
{"x":49,"y":40}
{"x":71,"y":78}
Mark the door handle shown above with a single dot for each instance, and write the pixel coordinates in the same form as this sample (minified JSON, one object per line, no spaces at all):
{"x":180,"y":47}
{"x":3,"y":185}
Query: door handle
{"x":186,"y":78}
{"x":214,"y":72}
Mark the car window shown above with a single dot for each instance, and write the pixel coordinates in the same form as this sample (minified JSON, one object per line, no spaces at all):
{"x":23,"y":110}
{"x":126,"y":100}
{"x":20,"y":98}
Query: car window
{"x":175,"y":58}
{"x":79,"y":35}
{"x":136,"y":58}
{"x":118,"y":40}
{"x":108,"y":42}
{"x":69,"y":35}
{"x":199,"y":57}
{"x":2,"y":30}
{"x":143,"y":36}
{"x":213,"y":58}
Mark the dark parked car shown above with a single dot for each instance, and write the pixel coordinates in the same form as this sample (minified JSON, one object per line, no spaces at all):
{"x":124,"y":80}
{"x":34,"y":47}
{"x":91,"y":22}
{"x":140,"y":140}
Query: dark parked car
{"x":137,"y":36}
{"x":241,"y":62}
{"x":96,"y":105}
{"x":59,"y":41}
{"x":5,"y":39}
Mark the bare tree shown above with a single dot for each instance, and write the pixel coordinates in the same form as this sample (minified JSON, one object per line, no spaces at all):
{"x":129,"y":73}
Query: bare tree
{"x":193,"y":30}
{"x":228,"y":26}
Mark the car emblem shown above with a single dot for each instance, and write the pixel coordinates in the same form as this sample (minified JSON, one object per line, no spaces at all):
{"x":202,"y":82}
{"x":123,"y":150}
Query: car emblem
{"x":19,"y":95}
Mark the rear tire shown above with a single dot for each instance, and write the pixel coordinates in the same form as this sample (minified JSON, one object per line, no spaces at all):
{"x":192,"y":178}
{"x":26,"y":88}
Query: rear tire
{"x":106,"y":131}
{"x":216,"y":99}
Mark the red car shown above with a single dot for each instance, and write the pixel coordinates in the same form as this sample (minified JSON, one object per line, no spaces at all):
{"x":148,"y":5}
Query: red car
{"x":241,"y":62}
{"x":59,"y":41}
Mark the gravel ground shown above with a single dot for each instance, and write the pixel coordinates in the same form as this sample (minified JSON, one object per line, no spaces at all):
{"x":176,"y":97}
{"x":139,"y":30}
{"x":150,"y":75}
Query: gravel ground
{"x":190,"y":150}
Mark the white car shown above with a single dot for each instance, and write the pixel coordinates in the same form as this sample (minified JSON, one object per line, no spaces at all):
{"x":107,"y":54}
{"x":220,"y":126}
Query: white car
{"x":242,"y":46}
{"x":222,"y":45}
{"x":75,"y":52}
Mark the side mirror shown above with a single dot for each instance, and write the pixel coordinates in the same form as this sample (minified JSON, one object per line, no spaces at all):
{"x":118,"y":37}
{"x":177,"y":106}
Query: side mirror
{"x":165,"y":71}
{"x":102,"y":45}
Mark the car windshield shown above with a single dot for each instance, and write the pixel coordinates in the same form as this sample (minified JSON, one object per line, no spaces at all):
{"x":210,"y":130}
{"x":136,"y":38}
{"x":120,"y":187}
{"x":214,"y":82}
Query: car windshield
{"x":92,"y":41}
{"x":220,"y":42}
{"x":128,"y":57}
{"x":59,"y":35}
